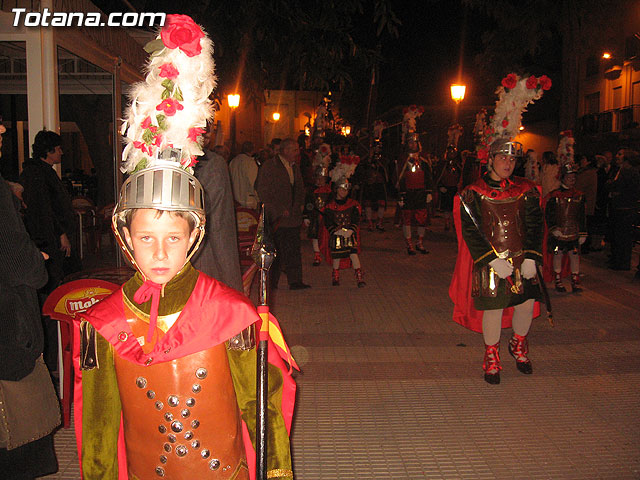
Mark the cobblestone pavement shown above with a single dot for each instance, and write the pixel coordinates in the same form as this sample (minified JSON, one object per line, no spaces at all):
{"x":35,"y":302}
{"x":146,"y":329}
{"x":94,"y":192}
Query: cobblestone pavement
{"x":391,"y":388}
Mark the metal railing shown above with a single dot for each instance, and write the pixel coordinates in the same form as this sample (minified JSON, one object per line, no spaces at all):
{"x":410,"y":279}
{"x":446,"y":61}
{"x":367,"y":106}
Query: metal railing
{"x":615,"y":120}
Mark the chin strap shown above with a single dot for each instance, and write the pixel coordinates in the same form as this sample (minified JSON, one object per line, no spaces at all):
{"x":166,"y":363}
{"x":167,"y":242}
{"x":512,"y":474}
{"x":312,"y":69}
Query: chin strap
{"x":150,"y":290}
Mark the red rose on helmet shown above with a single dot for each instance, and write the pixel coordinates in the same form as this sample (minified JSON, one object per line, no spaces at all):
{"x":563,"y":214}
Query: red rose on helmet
{"x":545,"y":82}
{"x":510,"y":81}
{"x":505,"y":123}
{"x":167,"y":70}
{"x":169,"y":106}
{"x":483,"y":154}
{"x":532,"y":82}
{"x":180,"y":31}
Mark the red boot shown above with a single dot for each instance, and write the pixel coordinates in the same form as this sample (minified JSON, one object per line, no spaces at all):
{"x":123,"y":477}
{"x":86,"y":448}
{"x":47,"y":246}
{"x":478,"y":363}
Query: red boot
{"x":519,"y":348}
{"x":420,"y":246}
{"x":491,"y":364}
{"x":360,"y":278}
{"x":410,"y":249}
{"x":575,"y":283}
{"x":317,"y":259}
{"x":335,"y":277}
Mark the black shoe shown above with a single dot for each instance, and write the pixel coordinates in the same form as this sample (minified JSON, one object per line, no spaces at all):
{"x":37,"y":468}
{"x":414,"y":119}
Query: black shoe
{"x":422,"y":250}
{"x":380,"y":228}
{"x":298,"y":286}
{"x":492,"y":378}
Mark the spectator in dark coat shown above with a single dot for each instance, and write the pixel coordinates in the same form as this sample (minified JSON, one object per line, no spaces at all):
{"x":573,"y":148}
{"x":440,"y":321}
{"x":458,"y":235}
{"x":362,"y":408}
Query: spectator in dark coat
{"x":49,"y":216}
{"x":281,"y":188}
{"x":624,"y":193}
{"x":218,"y":255}
{"x":30,"y":410}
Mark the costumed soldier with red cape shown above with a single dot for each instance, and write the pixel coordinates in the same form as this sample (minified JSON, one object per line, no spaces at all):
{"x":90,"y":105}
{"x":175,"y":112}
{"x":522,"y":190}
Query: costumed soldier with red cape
{"x":168,"y":385}
{"x":341,"y":217}
{"x":415,"y":187}
{"x":566,"y":229}
{"x":499,"y":225}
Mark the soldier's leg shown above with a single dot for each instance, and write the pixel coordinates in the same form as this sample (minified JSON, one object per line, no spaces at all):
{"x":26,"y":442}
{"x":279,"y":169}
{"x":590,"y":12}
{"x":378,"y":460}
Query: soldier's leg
{"x":518,"y":344}
{"x":491,"y":326}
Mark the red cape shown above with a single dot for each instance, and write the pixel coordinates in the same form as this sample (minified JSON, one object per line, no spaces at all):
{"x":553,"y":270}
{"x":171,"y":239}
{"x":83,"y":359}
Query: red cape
{"x":199,"y":326}
{"x":464,"y":312}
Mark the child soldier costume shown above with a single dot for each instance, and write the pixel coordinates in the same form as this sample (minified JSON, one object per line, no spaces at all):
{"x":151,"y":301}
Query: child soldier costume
{"x":169,"y":371}
{"x":341,"y":217}
{"x":566,"y":228}
{"x":415,"y":186}
{"x":499,"y":225}
{"x":317,"y":198}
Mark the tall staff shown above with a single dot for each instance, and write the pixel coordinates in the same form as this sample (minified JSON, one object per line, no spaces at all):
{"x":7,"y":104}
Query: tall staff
{"x":263,"y":253}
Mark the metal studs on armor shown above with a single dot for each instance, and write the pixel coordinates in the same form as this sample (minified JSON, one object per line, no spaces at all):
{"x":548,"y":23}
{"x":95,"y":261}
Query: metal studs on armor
{"x":195,"y":444}
{"x":181,"y":450}
{"x":162,"y":429}
{"x":173,"y":400}
{"x":141,"y":382}
{"x":184,"y":413}
{"x":160,"y":471}
{"x":197,"y":388}
{"x":159,"y":405}
{"x":188,"y":435}
{"x":172,"y":438}
{"x":167,"y":447}
{"x":177,"y":426}
{"x":191,"y":402}
{"x":195,"y":423}
{"x":214,"y":464}
{"x":205,"y":453}
{"x":163,"y":459}
{"x":168,"y":416}
{"x":151,"y":394}
{"x":201,"y":373}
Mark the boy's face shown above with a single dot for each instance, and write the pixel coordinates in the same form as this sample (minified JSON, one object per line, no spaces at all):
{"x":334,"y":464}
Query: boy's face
{"x":342,"y":193}
{"x":159,"y":243}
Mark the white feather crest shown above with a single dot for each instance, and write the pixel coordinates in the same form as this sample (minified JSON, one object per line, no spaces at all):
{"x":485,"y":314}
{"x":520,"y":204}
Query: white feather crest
{"x":511,"y":104}
{"x":148,"y":129}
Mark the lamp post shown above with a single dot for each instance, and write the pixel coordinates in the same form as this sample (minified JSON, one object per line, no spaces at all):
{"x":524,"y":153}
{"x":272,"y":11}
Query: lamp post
{"x":233,"y":99}
{"x":457,"y":95}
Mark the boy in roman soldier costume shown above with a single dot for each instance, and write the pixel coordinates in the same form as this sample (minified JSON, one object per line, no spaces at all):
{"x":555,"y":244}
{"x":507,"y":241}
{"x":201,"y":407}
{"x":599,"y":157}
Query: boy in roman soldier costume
{"x":415,"y":184}
{"x":168,"y":361}
{"x":374,"y":190}
{"x":499,"y":225}
{"x":566,"y":228}
{"x":316,"y":201}
{"x":341,"y":217}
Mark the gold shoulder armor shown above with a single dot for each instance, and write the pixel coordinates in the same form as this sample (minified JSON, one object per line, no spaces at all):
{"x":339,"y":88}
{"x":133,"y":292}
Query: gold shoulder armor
{"x":245,"y":340}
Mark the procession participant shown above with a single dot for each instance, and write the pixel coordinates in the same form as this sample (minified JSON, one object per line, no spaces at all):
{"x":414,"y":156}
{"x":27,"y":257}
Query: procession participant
{"x":168,"y":361}
{"x":415,"y":184}
{"x":374,"y":190}
{"x":447,"y":183}
{"x":341,"y":217}
{"x":314,"y":204}
{"x":499,"y":226}
{"x":566,"y":228}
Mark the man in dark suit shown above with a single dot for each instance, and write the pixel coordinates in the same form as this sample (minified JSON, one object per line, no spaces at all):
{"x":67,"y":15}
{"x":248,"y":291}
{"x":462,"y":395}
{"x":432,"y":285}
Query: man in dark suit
{"x":218,"y":255}
{"x":280,"y":186}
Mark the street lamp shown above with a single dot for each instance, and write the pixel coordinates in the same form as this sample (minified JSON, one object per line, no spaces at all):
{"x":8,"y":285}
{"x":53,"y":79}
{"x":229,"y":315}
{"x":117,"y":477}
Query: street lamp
{"x":275,"y":116}
{"x":233,"y":99}
{"x":457,"y":92}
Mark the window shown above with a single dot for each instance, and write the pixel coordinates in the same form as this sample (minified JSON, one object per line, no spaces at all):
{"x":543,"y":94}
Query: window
{"x":593,"y":65}
{"x":592,"y":103}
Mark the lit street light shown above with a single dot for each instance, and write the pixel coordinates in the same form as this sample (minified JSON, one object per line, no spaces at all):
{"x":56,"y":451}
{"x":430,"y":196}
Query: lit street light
{"x":233,"y":99}
{"x":275,"y":116}
{"x":457,"y":95}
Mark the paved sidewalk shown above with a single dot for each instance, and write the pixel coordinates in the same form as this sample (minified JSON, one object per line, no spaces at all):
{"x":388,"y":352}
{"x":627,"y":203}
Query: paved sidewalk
{"x":391,"y":388}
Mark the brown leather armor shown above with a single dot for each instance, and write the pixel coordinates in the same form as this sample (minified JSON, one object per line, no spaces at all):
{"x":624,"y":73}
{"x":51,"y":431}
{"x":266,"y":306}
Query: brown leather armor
{"x":502,"y":223}
{"x":568,"y":217}
{"x":181,"y":418}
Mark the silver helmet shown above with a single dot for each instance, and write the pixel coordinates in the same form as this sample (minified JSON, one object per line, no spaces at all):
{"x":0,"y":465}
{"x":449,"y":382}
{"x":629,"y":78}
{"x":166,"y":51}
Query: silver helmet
{"x":163,"y":186}
{"x":505,"y":146}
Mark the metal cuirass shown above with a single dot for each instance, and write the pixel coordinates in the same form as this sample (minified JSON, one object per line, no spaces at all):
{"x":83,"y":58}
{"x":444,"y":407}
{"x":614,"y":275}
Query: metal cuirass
{"x":502,"y":223}
{"x":181,"y":418}
{"x":567,"y":217}
{"x":320,"y":200}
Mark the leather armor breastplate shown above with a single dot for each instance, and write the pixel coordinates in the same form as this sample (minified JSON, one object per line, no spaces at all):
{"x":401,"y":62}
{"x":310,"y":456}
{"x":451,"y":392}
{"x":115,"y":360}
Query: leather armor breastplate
{"x":567,"y":217}
{"x":320,"y":200}
{"x":502,"y":223}
{"x":181,"y":418}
